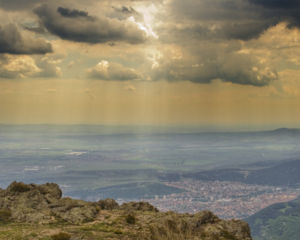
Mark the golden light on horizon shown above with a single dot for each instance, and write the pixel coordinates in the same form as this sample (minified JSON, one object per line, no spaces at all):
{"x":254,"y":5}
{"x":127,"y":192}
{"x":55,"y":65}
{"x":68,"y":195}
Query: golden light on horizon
{"x":140,"y":62}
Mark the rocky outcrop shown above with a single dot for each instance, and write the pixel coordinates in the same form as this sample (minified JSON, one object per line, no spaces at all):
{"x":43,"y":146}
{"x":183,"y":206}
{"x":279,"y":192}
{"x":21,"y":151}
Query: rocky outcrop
{"x":138,"y":206}
{"x":44,"y":204}
{"x":201,"y":226}
{"x":108,"y":204}
{"x":40,"y":205}
{"x":74,"y":211}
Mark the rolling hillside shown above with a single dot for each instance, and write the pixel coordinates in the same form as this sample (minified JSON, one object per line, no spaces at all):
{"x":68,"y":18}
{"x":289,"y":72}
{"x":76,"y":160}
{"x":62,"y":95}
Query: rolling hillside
{"x":277,"y":222}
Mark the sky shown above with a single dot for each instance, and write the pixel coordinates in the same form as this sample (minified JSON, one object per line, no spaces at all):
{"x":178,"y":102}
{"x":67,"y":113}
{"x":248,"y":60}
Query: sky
{"x":138,"y":62}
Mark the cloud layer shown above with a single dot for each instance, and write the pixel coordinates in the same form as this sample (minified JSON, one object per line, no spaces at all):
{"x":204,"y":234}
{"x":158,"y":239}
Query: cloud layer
{"x":78,"y":26}
{"x":15,"y":5}
{"x":105,"y":70}
{"x":215,"y":62}
{"x":191,"y":40}
{"x":18,"y":67}
{"x":14,"y":42}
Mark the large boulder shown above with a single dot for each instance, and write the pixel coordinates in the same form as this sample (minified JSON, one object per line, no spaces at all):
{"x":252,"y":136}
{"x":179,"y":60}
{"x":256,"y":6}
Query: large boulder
{"x":74,"y":211}
{"x":28,"y":203}
{"x":43,"y":204}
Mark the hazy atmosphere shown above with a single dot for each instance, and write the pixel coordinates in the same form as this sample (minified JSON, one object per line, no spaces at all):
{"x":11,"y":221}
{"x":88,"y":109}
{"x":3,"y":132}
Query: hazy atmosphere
{"x":222,"y":63}
{"x":119,"y":117}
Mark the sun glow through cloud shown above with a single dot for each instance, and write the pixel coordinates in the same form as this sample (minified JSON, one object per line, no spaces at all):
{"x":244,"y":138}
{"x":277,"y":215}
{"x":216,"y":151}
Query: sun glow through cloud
{"x":148,"y":15}
{"x":148,"y":62}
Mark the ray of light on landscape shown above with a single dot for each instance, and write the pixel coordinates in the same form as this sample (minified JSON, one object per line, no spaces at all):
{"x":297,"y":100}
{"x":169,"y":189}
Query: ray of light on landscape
{"x":189,"y":105}
{"x":232,"y":63}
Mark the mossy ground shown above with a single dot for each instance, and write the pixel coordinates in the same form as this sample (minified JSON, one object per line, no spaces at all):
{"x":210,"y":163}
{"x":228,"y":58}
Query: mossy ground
{"x":108,"y":225}
{"x":113,"y":225}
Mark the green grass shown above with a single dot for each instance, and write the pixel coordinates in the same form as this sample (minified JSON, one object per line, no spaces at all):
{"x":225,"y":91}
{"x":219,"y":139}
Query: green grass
{"x":277,"y":222}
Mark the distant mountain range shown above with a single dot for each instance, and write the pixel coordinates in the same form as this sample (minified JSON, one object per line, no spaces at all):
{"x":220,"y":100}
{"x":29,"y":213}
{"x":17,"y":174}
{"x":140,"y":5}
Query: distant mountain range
{"x":290,"y":131}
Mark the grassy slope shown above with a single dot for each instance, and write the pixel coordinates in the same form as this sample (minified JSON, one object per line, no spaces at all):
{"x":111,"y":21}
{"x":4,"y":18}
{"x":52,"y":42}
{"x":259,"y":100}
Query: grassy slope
{"x":277,"y":222}
{"x":115,"y":225}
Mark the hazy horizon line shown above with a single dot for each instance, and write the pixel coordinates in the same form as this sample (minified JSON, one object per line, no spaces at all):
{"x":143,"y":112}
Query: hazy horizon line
{"x":201,"y":128}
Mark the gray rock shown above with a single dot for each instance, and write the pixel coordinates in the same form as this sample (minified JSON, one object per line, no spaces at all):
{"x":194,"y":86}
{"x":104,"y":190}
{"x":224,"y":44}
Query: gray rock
{"x":43,"y":204}
{"x":74,"y":211}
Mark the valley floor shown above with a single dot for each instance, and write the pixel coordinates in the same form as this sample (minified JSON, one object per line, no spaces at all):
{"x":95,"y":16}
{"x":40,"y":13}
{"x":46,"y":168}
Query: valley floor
{"x":226,"y":199}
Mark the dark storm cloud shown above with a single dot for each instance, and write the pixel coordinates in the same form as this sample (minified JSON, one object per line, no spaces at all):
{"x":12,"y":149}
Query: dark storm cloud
{"x":279,"y":4}
{"x":204,"y":35}
{"x":78,"y":26}
{"x":36,"y":29}
{"x":236,"y":19}
{"x":280,"y":10}
{"x":125,"y":12}
{"x":65,"y":12}
{"x":15,"y":5}
{"x":230,"y":30}
{"x":213,"y":10}
{"x":28,"y":5}
{"x":245,"y":30}
{"x":13,"y":42}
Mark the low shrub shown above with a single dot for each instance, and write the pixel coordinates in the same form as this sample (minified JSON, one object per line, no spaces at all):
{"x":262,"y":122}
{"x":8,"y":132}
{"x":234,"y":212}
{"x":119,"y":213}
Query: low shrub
{"x":19,"y":187}
{"x":130,"y":218}
{"x":61,"y":236}
{"x":5,"y":215}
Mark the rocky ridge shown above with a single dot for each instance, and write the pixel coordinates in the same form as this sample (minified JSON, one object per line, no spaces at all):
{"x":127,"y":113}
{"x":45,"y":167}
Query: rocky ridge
{"x":40,"y":212}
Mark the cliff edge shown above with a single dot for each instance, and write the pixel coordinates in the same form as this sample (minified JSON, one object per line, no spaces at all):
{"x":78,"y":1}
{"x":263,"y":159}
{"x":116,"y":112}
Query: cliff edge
{"x":31,"y":212}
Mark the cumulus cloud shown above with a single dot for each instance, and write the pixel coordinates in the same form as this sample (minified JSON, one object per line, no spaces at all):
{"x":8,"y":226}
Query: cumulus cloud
{"x":23,"y":66}
{"x":105,"y":70}
{"x":17,"y":67}
{"x":49,"y":66}
{"x":241,"y":69}
{"x":14,"y":42}
{"x":232,"y":71}
{"x":214,"y":39}
{"x":213,"y":61}
{"x":79,"y":26}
